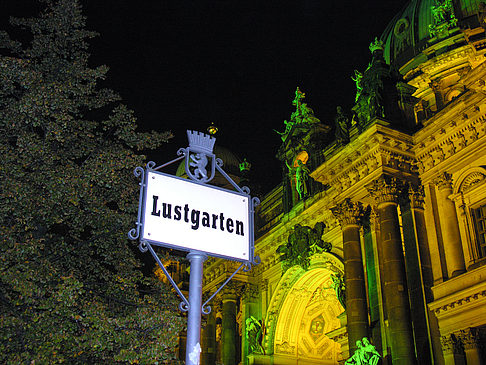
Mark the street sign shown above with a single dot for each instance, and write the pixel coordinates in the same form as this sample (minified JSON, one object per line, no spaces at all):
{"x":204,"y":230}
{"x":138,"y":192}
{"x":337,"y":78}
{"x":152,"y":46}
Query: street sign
{"x":182,"y":214}
{"x":191,"y":215}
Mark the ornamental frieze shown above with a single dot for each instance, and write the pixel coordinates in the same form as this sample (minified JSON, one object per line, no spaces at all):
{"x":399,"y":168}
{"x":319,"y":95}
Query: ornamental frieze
{"x":433,"y":151}
{"x":375,"y":148}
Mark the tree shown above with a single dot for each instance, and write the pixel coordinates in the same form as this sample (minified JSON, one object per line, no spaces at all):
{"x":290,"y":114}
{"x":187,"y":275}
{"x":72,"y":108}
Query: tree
{"x":72,"y":288}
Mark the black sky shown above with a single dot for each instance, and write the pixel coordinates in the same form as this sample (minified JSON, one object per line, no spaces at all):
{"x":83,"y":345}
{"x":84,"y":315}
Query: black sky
{"x":181,"y":64}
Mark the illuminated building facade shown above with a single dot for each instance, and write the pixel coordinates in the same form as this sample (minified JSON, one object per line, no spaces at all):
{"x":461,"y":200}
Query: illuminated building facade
{"x":378,"y":229}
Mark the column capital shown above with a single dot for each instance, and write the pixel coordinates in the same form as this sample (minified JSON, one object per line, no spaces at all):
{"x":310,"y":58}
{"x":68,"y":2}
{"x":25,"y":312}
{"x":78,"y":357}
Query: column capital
{"x":384,"y":190}
{"x":435,"y":85}
{"x":348,"y":212}
{"x":250,"y":292}
{"x":229,"y":292}
{"x":450,"y":344}
{"x":416,"y":195}
{"x":443,"y":181}
{"x":469,"y":337}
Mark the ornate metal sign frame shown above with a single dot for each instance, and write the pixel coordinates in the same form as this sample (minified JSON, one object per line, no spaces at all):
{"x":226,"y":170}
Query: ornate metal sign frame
{"x":198,"y":155}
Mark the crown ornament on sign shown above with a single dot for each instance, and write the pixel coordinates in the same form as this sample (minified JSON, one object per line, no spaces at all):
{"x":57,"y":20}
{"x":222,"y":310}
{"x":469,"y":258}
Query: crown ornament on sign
{"x":200,"y":142}
{"x":376,"y":45}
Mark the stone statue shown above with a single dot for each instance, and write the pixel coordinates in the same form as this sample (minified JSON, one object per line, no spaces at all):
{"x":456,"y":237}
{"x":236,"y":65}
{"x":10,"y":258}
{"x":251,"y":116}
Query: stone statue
{"x":342,"y":127}
{"x":316,"y":244}
{"x":301,"y":176}
{"x":288,"y":128}
{"x":370,"y":352}
{"x":357,"y":79}
{"x":299,"y":95}
{"x":365,"y":354}
{"x":339,"y":288}
{"x":254,"y":335}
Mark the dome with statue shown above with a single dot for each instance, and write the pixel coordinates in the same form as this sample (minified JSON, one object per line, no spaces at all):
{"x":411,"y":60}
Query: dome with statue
{"x":427,"y":28}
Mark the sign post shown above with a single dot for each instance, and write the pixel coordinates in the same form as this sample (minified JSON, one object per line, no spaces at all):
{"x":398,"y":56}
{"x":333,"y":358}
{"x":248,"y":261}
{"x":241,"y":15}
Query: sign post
{"x":192,"y":215}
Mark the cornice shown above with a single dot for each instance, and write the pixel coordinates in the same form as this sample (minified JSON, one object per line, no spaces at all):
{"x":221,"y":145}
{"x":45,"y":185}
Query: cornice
{"x":445,"y":138}
{"x":444,"y":305}
{"x":463,"y":291}
{"x":379,"y":149}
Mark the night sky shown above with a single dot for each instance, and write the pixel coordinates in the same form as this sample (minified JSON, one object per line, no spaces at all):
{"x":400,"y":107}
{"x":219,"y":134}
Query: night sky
{"x":182,"y":64}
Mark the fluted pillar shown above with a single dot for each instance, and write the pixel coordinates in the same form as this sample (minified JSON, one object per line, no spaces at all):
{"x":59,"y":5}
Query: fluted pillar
{"x":229,"y":328}
{"x":395,"y":291}
{"x":450,"y":227}
{"x":349,"y":215}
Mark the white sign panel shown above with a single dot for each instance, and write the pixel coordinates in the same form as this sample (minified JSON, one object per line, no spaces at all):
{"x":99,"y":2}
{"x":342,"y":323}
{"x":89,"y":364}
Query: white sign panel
{"x":182,"y":214}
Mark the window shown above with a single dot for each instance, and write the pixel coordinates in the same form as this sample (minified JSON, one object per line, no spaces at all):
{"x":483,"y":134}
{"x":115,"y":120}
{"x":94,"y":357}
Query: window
{"x":479,"y":219}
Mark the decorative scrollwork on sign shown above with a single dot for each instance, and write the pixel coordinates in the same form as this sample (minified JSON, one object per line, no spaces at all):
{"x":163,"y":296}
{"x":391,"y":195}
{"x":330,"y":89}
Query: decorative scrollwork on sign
{"x":206,"y":309}
{"x":134,"y":233}
{"x":183,"y":306}
{"x":143,"y":247}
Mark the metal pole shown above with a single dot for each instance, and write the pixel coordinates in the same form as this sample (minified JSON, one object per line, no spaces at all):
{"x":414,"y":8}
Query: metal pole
{"x":193,"y":346}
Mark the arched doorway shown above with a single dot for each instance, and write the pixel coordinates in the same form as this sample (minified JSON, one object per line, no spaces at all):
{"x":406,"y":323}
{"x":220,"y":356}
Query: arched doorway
{"x":303,"y":309}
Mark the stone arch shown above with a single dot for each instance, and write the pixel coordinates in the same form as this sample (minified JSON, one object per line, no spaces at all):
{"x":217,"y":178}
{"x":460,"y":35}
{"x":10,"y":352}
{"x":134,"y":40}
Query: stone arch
{"x":304,"y":295}
{"x":470,"y":179}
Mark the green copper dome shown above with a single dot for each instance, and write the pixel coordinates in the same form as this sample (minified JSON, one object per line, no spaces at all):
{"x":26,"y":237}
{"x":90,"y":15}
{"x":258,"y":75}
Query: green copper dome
{"x":422,"y":23}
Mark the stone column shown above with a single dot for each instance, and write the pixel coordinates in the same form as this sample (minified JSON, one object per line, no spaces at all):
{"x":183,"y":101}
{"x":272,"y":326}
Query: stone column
{"x":450,"y":227}
{"x":472,"y":345}
{"x":229,"y":328}
{"x":418,"y":267}
{"x":452,"y":350}
{"x":435,"y":85}
{"x":349,"y":215}
{"x":385,"y":193}
{"x":372,"y":275}
{"x":208,"y":340}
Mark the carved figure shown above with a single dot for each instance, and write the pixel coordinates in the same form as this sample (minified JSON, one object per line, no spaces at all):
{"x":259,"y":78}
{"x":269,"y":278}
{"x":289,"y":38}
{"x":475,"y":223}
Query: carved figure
{"x":340,"y":288}
{"x":254,"y":335}
{"x":199,"y":161}
{"x":301,"y":176}
{"x":303,"y":242}
{"x":288,"y":128}
{"x":342,"y":127}
{"x":358,"y":76}
{"x":365,"y":354}
{"x":371,"y":355}
{"x":299,"y":95}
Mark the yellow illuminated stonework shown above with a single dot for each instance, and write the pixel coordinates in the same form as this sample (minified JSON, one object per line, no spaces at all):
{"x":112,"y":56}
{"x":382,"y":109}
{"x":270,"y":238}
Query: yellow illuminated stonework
{"x":396,"y":201}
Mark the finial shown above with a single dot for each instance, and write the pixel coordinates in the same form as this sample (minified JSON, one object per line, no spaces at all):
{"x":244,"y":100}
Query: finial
{"x":376,"y":45}
{"x":245,"y":165}
{"x":212,"y":129}
{"x":299,"y":95}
